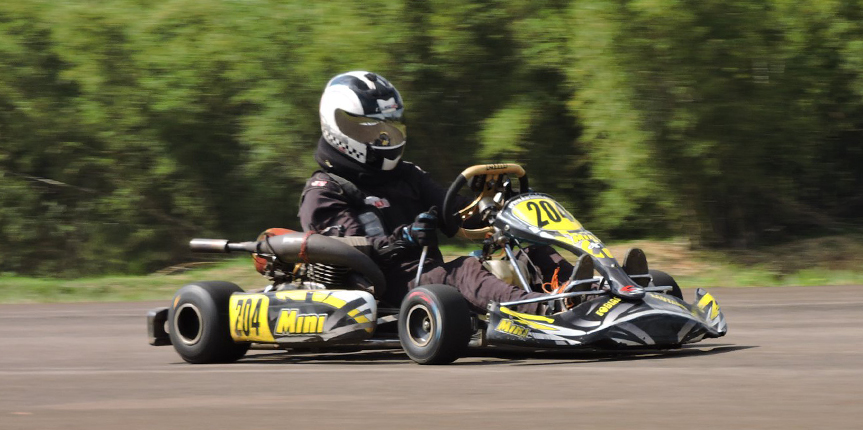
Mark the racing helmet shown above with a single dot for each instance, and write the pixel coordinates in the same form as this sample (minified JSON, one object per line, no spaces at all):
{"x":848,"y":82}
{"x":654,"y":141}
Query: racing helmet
{"x":362,"y":117}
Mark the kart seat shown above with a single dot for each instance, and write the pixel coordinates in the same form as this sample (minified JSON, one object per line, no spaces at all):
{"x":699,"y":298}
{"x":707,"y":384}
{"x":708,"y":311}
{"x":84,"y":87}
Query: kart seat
{"x":504,"y":271}
{"x":635,"y":265}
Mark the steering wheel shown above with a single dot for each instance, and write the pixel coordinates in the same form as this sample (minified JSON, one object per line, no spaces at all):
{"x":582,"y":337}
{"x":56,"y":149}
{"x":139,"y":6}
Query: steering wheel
{"x":492,"y":174}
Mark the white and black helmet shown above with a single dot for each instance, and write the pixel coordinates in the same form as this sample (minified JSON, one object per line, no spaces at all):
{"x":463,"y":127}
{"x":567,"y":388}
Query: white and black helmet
{"x":362,"y":117}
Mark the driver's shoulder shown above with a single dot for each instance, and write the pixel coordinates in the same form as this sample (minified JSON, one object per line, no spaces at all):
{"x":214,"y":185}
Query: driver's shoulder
{"x":407,"y":165}
{"x":411,"y":171}
{"x":321,"y":181}
{"x":334,"y":189}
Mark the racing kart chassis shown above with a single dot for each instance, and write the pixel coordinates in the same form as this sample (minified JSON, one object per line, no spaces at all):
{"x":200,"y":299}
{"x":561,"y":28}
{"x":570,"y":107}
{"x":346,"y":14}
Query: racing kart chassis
{"x":216,"y":321}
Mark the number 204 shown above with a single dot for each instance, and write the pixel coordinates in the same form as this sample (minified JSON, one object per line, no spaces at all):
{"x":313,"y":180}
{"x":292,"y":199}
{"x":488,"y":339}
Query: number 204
{"x":248,"y":317}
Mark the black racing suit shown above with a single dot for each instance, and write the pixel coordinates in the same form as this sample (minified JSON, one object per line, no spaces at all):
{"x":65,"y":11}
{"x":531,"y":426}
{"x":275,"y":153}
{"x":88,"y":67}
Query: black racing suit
{"x":407,"y":192}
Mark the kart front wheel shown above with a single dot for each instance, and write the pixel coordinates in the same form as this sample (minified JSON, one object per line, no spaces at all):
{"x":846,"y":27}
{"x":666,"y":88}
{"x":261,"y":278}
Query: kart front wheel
{"x":663,"y":279}
{"x":198,"y":323}
{"x":434,"y":324}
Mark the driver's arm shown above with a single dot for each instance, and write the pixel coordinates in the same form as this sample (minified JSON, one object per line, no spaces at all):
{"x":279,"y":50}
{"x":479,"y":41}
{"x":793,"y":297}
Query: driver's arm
{"x":324,"y":205}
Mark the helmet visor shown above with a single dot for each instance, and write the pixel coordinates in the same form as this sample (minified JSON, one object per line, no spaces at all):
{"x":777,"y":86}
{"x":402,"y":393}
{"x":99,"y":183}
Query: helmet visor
{"x":380,"y":133}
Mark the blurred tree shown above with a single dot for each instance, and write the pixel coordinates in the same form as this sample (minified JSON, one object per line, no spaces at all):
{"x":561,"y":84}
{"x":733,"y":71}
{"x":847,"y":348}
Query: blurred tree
{"x":709,"y":110}
{"x":130,"y":126}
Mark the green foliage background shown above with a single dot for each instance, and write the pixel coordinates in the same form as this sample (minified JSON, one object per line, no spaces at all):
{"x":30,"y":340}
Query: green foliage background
{"x":129,"y":126}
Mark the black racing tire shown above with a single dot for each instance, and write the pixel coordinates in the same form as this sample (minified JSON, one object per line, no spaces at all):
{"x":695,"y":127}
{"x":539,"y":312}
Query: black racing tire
{"x":434,"y":324}
{"x":198,"y":323}
{"x":662,"y":279}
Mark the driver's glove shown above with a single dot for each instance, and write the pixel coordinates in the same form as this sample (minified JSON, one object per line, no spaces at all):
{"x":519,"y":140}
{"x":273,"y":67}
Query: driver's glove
{"x":408,"y":238}
{"x":423,"y":231}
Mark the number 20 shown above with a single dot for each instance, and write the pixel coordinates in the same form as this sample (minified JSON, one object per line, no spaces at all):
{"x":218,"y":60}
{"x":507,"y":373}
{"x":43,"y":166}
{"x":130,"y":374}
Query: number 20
{"x":549,"y":209}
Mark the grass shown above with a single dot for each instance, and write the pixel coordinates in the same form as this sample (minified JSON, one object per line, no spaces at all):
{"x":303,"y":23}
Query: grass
{"x":831,"y":260}
{"x":15,"y":289}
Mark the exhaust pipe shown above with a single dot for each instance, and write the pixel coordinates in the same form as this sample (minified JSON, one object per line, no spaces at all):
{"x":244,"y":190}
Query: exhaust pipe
{"x":317,"y":249}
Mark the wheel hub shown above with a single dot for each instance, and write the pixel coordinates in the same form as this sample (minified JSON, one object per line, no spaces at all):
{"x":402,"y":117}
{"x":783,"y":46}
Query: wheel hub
{"x":188,"y":324}
{"x":420,"y":325}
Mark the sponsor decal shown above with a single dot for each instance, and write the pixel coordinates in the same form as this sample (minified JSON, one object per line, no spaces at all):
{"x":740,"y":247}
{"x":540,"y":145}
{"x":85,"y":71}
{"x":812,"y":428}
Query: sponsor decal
{"x":579,"y":237}
{"x":666,"y":299}
{"x":318,"y":183}
{"x":292,"y":322}
{"x":509,"y":326}
{"x":495,"y":166}
{"x":628,"y":289}
{"x":587,"y":242}
{"x":607,"y":306}
{"x":378,"y":202}
{"x":388,"y":105}
{"x":301,"y":320}
{"x":529,"y":320}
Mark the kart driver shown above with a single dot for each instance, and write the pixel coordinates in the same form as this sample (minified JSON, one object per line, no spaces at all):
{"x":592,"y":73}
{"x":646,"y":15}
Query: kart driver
{"x":364,"y":188}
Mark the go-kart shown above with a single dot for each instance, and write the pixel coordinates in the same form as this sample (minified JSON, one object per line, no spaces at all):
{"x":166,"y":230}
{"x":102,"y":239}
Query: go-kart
{"x":324,"y":291}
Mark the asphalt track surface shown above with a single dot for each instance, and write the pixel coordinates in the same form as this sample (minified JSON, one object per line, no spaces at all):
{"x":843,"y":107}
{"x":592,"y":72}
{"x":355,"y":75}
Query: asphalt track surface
{"x":793,"y":359}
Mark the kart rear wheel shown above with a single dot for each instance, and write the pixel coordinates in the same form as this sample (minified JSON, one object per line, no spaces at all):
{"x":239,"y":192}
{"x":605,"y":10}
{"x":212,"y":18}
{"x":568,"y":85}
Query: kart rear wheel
{"x":664,"y":279}
{"x":434,"y":324}
{"x":198,"y":323}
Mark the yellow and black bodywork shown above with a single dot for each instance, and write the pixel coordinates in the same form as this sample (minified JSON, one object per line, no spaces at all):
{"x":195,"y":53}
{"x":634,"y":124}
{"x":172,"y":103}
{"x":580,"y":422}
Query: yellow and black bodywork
{"x":302,"y":316}
{"x":624,"y":314}
{"x":293,"y":318}
{"x":619,"y":308}
{"x":657,"y":320}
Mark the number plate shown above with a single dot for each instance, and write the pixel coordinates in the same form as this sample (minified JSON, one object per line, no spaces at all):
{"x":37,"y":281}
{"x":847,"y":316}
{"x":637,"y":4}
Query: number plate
{"x":546,"y":214}
{"x":547,"y":219}
{"x":248,"y":317}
